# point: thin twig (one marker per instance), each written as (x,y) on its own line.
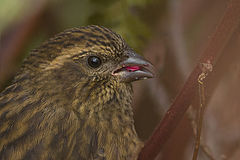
(206,68)
(204,147)
(217,42)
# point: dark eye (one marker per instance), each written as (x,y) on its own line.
(94,61)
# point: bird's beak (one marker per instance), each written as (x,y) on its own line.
(135,67)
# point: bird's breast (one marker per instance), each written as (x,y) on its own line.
(111,135)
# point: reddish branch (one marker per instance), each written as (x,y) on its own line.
(215,46)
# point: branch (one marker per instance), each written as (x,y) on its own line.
(204,147)
(216,44)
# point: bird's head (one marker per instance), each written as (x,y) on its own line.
(96,52)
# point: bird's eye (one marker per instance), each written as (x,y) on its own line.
(94,61)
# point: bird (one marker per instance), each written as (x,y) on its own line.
(71,99)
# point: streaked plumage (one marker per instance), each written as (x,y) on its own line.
(57,107)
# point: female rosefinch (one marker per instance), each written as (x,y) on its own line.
(72,98)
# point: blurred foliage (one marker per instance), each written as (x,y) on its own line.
(124,16)
(11,11)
